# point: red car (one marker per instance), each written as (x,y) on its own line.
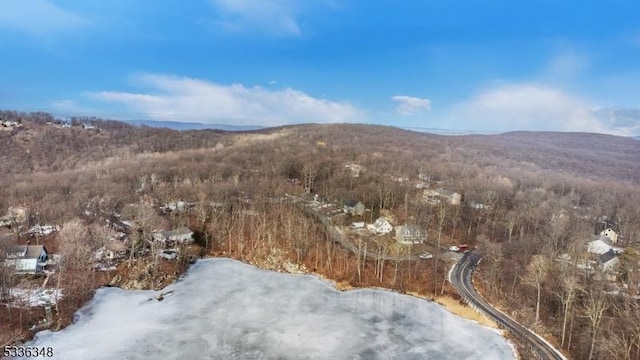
(459,248)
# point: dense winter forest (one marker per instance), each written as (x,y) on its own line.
(530,203)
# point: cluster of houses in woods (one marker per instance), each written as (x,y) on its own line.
(602,250)
(429,195)
(67,125)
(602,246)
(7,125)
(36,259)
(115,250)
(404,234)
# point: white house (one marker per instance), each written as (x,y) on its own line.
(381,226)
(608,260)
(408,234)
(27,259)
(612,235)
(179,235)
(451,197)
(599,245)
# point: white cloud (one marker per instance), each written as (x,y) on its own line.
(626,120)
(272,16)
(531,107)
(68,107)
(409,105)
(65,105)
(568,64)
(186,99)
(37,17)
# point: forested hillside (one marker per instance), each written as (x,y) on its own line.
(526,198)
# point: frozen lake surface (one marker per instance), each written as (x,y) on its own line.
(224,309)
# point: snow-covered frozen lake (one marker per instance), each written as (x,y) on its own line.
(224,309)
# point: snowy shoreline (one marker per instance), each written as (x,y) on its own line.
(214,313)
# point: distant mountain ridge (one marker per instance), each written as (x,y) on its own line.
(439,131)
(183,126)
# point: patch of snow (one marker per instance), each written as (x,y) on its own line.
(43,229)
(128,223)
(105,267)
(34,297)
(223,309)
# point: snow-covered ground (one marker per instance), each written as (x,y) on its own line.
(34,297)
(223,309)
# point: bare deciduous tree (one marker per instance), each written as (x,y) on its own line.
(309,174)
(567,291)
(535,276)
(442,217)
(595,305)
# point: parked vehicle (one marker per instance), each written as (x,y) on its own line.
(425,256)
(459,248)
(168,254)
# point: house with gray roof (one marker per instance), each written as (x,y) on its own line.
(381,226)
(353,207)
(27,259)
(175,236)
(599,245)
(608,260)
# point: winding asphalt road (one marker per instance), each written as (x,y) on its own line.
(461,276)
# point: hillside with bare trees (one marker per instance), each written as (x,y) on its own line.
(528,201)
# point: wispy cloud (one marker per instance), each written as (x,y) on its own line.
(69,107)
(567,64)
(187,99)
(627,121)
(410,105)
(530,106)
(270,16)
(37,17)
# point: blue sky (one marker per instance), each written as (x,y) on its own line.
(463,65)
